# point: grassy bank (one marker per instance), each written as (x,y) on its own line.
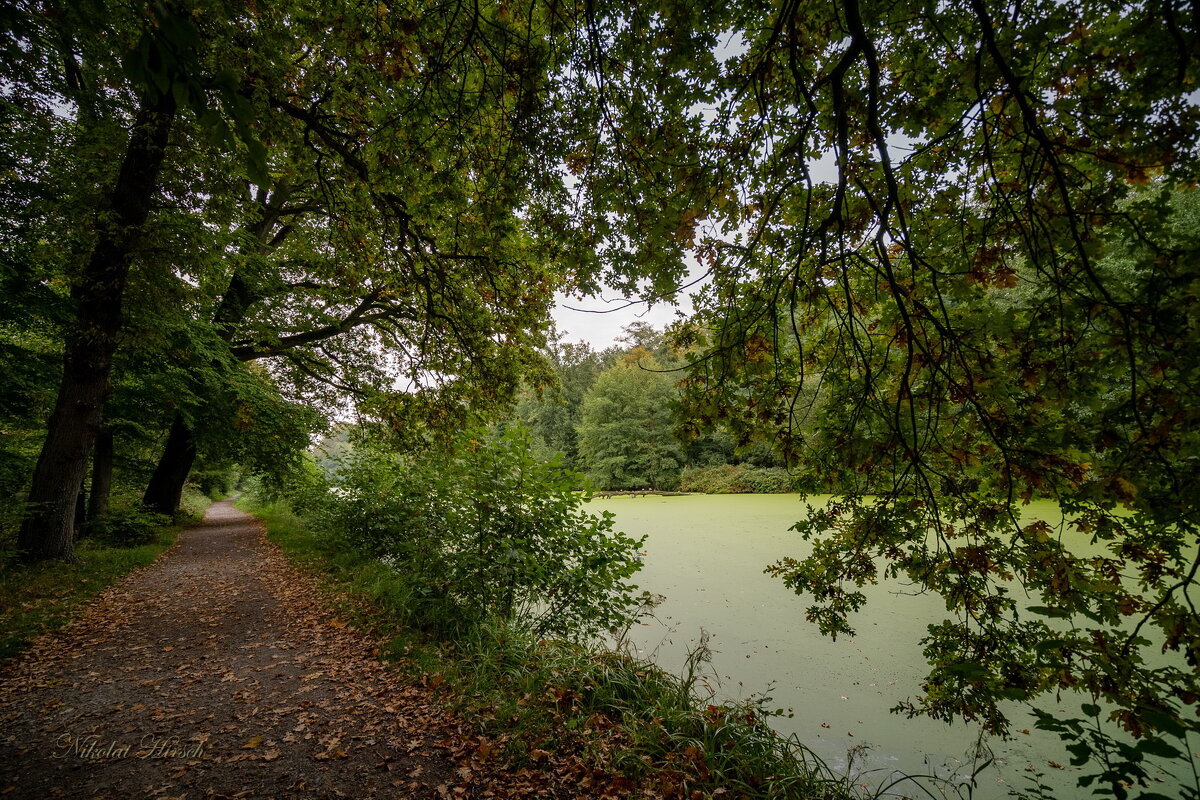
(37,598)
(544,698)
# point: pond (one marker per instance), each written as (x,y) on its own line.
(706,554)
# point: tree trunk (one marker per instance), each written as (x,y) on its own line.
(48,530)
(80,508)
(166,485)
(102,468)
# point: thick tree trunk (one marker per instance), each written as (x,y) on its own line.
(48,530)
(102,468)
(80,508)
(166,484)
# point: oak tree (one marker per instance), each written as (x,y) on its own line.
(973,225)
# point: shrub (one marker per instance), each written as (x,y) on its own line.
(736,479)
(192,506)
(485,530)
(769,480)
(127,527)
(709,480)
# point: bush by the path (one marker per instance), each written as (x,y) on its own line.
(127,527)
(483,530)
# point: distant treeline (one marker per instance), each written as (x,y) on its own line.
(616,417)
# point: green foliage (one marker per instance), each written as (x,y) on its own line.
(626,429)
(129,524)
(216,483)
(484,531)
(251,423)
(552,413)
(35,302)
(127,527)
(193,505)
(736,479)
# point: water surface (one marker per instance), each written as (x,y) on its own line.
(706,555)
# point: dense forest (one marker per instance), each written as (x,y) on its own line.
(951,264)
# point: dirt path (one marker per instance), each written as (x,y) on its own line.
(217,673)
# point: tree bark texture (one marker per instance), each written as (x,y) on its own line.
(166,484)
(81,503)
(48,530)
(102,469)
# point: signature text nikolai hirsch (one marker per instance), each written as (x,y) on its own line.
(92,748)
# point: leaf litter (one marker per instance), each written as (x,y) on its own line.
(218,671)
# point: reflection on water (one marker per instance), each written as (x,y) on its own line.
(706,554)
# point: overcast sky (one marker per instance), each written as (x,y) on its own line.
(600,320)
(601,323)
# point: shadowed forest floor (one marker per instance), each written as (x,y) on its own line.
(218,672)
